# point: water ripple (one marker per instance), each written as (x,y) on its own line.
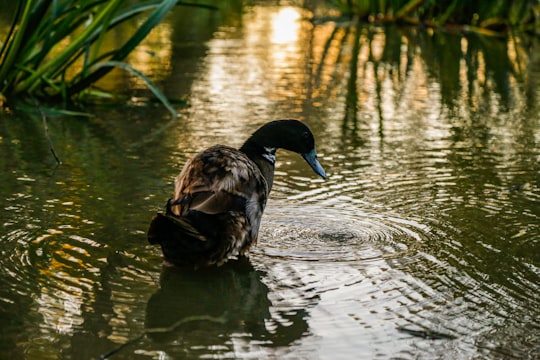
(378,265)
(307,233)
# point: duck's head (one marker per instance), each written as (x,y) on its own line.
(290,135)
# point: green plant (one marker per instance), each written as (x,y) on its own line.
(484,15)
(54,48)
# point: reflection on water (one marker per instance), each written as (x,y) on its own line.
(234,294)
(428,225)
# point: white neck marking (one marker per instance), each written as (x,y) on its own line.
(269,154)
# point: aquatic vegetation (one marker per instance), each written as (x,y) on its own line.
(56,50)
(481,16)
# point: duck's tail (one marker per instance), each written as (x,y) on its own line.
(164,227)
(180,241)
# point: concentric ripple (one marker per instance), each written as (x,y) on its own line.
(305,232)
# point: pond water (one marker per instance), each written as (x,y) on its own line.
(423,242)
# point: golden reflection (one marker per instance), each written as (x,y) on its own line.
(481,70)
(377,46)
(464,45)
(267,68)
(283,55)
(463,79)
(365,51)
(66,273)
(153,56)
(386,80)
(404,57)
(517,55)
(326,53)
(60,312)
(285,26)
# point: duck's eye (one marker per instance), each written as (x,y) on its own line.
(305,135)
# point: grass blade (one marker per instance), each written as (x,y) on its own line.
(14,46)
(149,83)
(9,36)
(154,19)
(33,81)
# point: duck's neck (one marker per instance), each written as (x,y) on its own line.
(264,157)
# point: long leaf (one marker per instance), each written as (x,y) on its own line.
(149,83)
(13,48)
(53,25)
(9,37)
(91,39)
(61,23)
(33,81)
(154,19)
(131,12)
(104,9)
(408,8)
(37,19)
(94,50)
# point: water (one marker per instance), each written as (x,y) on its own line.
(423,242)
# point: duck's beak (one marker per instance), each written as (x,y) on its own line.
(311,159)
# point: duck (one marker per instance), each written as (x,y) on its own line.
(220,195)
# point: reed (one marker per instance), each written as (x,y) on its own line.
(496,15)
(54,49)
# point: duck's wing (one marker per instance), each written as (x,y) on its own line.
(219,180)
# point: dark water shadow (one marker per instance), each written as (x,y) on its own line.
(234,294)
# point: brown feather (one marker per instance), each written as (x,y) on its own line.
(212,178)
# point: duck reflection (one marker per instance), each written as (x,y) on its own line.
(235,294)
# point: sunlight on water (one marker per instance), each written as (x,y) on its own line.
(285,26)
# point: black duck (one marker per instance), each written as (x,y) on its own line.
(220,195)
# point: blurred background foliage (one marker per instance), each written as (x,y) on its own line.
(57,51)
(495,15)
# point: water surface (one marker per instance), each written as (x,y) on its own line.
(422,243)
